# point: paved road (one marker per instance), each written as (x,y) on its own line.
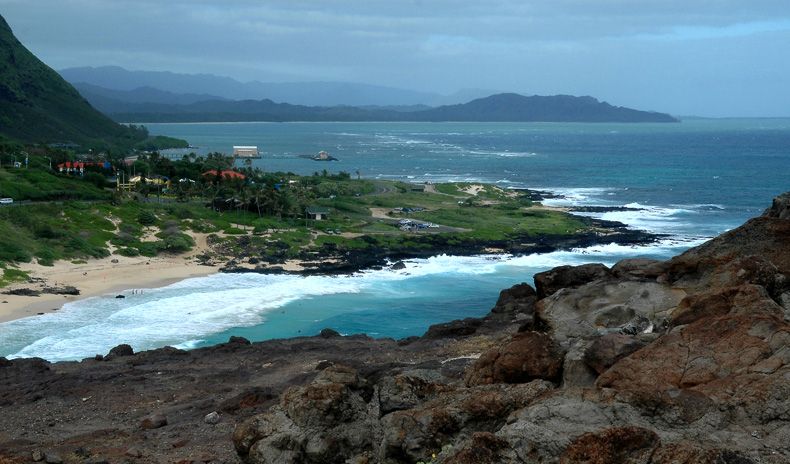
(381,189)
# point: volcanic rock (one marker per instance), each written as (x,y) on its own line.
(522,358)
(548,282)
(154,421)
(605,351)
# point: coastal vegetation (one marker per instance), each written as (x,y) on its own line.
(251,215)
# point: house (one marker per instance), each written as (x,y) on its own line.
(417,188)
(323,156)
(78,167)
(317,213)
(226,174)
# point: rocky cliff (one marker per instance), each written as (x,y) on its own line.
(683,361)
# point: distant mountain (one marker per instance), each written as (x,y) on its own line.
(37,105)
(297,93)
(94,94)
(511,107)
(496,108)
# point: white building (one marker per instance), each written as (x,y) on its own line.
(245,152)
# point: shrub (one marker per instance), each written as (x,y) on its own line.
(124,239)
(146,218)
(46,257)
(13,253)
(148,249)
(130,251)
(177,244)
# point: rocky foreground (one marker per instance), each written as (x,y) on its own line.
(683,361)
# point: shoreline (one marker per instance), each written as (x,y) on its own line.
(95,278)
(115,274)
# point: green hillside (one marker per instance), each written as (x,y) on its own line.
(38,106)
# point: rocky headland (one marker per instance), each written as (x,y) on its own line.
(678,361)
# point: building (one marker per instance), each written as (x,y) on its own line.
(323,156)
(78,167)
(317,213)
(417,188)
(226,174)
(245,152)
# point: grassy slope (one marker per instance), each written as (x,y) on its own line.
(83,230)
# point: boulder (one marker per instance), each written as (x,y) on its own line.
(415,434)
(639,269)
(330,420)
(765,238)
(120,351)
(603,352)
(518,299)
(519,359)
(401,392)
(452,329)
(579,313)
(548,282)
(154,421)
(748,299)
(329,333)
(780,208)
(482,448)
(725,363)
(632,445)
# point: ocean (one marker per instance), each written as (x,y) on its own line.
(690,181)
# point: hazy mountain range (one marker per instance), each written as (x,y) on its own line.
(39,106)
(130,83)
(145,96)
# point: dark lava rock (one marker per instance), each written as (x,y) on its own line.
(23,292)
(521,358)
(154,421)
(120,351)
(65,290)
(548,282)
(623,444)
(398,266)
(603,352)
(329,333)
(452,329)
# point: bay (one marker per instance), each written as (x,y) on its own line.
(691,181)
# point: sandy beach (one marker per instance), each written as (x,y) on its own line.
(95,278)
(108,276)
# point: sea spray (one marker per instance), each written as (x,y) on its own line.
(208,310)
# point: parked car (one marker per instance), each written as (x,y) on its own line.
(338,232)
(328,231)
(433,226)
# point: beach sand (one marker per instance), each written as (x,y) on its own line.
(100,277)
(95,278)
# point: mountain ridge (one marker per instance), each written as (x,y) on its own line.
(39,105)
(320,93)
(496,108)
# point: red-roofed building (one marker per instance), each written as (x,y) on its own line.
(226,174)
(78,167)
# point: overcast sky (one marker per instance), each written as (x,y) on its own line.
(688,57)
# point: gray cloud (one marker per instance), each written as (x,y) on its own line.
(722,58)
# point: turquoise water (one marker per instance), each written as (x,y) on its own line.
(692,180)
